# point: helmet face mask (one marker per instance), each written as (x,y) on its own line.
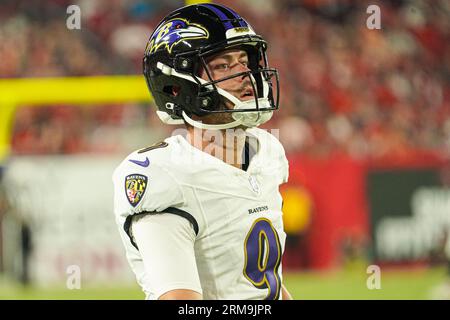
(180,49)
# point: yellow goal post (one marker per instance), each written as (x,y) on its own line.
(81,91)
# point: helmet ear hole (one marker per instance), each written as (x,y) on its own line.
(172,90)
(176,90)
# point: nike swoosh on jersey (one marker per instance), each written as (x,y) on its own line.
(144,163)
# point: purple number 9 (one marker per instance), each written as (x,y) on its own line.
(263,257)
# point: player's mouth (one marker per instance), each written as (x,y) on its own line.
(247,94)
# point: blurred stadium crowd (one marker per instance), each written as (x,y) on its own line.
(344,88)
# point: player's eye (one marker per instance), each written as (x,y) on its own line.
(221,67)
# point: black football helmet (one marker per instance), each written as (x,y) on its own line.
(176,52)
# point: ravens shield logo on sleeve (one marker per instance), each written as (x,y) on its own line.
(135,185)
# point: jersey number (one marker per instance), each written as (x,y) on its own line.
(263,257)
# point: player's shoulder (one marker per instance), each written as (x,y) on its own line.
(149,183)
(153,157)
(268,142)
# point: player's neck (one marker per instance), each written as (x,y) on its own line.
(226,145)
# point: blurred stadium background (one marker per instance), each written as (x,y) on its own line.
(364,118)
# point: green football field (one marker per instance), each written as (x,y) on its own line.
(348,284)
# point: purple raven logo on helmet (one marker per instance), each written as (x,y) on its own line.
(174,31)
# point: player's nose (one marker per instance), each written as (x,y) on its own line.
(242,67)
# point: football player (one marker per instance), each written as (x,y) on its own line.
(200,215)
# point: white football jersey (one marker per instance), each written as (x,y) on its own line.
(236,214)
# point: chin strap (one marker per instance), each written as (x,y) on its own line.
(206,126)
